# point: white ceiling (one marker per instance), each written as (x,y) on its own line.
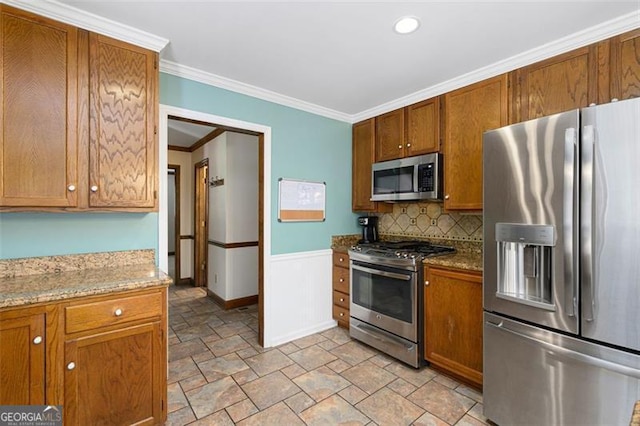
(343,57)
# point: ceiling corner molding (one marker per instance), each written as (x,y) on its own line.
(190,73)
(88,21)
(585,37)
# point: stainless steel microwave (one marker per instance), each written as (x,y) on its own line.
(407,179)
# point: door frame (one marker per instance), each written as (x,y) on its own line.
(264,255)
(178,240)
(200,213)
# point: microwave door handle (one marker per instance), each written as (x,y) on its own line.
(416,172)
(382,273)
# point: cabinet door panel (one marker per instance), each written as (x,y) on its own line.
(453,323)
(559,84)
(22,361)
(363,157)
(117,377)
(390,138)
(122,125)
(38,91)
(423,127)
(469,112)
(625,65)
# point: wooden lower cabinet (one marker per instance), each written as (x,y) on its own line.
(341,298)
(453,322)
(103,358)
(22,358)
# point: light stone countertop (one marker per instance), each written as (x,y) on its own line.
(50,287)
(470,261)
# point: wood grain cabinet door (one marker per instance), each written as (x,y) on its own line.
(625,66)
(423,127)
(561,83)
(122,124)
(390,136)
(38,100)
(453,322)
(22,360)
(469,112)
(362,158)
(115,377)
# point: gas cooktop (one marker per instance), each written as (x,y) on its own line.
(411,251)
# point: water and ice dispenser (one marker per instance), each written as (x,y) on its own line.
(525,264)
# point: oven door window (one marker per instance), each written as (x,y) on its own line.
(385,291)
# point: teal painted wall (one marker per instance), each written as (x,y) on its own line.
(303,146)
(46,234)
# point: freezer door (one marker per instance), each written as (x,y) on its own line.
(537,377)
(610,225)
(531,221)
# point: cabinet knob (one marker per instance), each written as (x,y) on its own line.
(94,188)
(71,365)
(342,299)
(408,145)
(71,188)
(426,282)
(341,314)
(37,340)
(446,197)
(399,146)
(614,99)
(341,259)
(117,312)
(341,280)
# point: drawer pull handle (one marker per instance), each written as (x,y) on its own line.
(341,280)
(341,259)
(118,312)
(342,299)
(37,340)
(341,314)
(71,365)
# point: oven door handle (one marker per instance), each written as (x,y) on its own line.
(382,273)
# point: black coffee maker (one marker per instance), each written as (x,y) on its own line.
(369,229)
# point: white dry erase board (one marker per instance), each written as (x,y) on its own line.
(301,201)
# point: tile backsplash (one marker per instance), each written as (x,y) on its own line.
(429,220)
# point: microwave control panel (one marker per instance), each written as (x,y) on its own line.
(426,178)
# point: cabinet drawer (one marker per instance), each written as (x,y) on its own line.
(341,259)
(88,316)
(340,314)
(341,299)
(341,280)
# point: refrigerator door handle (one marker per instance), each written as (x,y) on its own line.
(586,220)
(568,353)
(570,219)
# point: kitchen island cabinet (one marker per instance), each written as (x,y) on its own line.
(79,117)
(93,341)
(468,112)
(453,322)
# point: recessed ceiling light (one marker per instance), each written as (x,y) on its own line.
(406,25)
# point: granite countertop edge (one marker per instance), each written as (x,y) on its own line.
(56,287)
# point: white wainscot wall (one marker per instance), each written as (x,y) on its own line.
(298,301)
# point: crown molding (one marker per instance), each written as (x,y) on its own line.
(88,21)
(184,71)
(585,37)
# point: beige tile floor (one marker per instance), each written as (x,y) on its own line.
(220,375)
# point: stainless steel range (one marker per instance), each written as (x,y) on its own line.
(386,296)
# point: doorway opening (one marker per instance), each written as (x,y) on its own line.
(173,229)
(200,221)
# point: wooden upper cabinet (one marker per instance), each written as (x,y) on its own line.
(561,83)
(468,113)
(122,104)
(362,158)
(409,131)
(389,135)
(624,66)
(38,97)
(22,360)
(423,127)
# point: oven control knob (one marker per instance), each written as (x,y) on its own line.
(413,256)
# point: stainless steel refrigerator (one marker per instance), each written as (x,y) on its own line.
(562,268)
